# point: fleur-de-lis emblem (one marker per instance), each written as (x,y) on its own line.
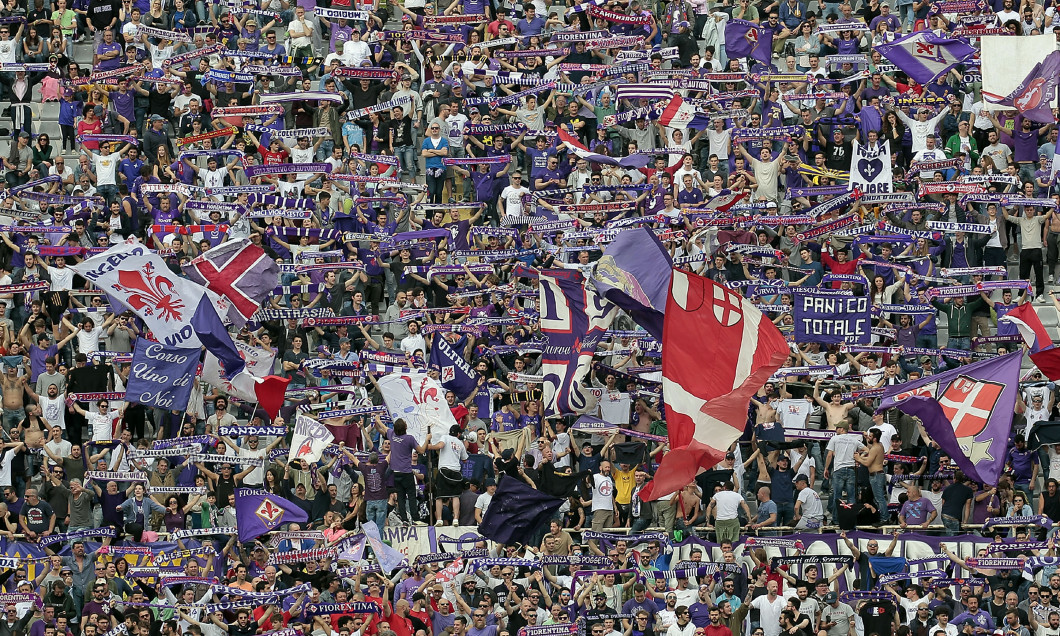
(151,293)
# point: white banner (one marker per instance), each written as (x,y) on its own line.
(139,280)
(1007,60)
(418,399)
(309,439)
(870,169)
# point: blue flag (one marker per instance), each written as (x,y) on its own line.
(258,512)
(517,511)
(747,39)
(634,273)
(456,374)
(212,333)
(967,411)
(161,376)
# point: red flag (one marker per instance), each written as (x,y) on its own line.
(706,404)
(1039,343)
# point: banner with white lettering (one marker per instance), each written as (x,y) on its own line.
(832,319)
(161,376)
(870,169)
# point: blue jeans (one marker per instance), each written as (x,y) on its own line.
(324,151)
(13,417)
(956,342)
(376,512)
(842,481)
(952,525)
(785,512)
(108,192)
(879,493)
(407,159)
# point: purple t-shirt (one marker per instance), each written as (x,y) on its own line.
(401,447)
(917,512)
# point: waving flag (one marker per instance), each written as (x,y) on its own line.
(239,271)
(455,372)
(634,273)
(258,512)
(678,113)
(706,388)
(572,144)
(1033,98)
(255,384)
(968,411)
(747,39)
(517,511)
(573,319)
(389,558)
(1042,351)
(643,91)
(924,55)
(178,312)
(419,399)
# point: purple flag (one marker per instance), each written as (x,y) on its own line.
(212,333)
(161,376)
(747,39)
(455,372)
(1034,96)
(239,271)
(258,512)
(517,511)
(924,55)
(389,558)
(967,411)
(634,273)
(573,318)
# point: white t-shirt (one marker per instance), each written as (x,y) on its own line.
(770,613)
(106,168)
(62,278)
(54,412)
(513,199)
(811,503)
(452,453)
(88,341)
(727,505)
(483,502)
(102,425)
(603,493)
(256,476)
(213,178)
(793,413)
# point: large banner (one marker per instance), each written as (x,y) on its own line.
(161,376)
(573,318)
(832,319)
(1006,60)
(418,399)
(870,169)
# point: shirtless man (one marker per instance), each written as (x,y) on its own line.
(12,387)
(1052,229)
(835,411)
(872,458)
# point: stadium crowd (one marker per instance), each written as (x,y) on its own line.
(458,123)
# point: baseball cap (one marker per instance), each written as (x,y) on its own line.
(157,117)
(831,597)
(802,478)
